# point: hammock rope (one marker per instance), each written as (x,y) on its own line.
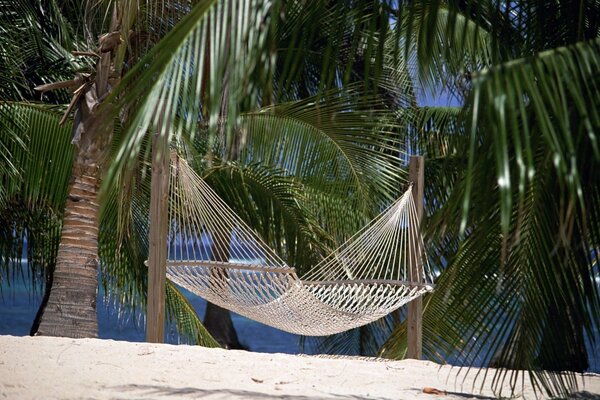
(214,254)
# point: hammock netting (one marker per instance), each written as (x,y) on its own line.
(214,254)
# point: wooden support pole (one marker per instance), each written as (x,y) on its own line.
(157,251)
(416,174)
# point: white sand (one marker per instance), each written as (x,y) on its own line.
(45,368)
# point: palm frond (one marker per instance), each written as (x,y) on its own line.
(34,182)
(513,212)
(364,341)
(352,139)
(532,311)
(444,45)
(199,71)
(514,230)
(554,95)
(324,45)
(272,203)
(181,313)
(35,45)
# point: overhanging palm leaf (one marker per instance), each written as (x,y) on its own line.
(366,340)
(541,118)
(554,95)
(182,76)
(273,203)
(12,131)
(324,45)
(523,201)
(35,44)
(200,72)
(350,138)
(329,162)
(444,45)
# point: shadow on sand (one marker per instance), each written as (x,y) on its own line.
(192,392)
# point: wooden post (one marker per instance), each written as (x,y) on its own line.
(157,251)
(416,174)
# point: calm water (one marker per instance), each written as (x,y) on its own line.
(18,307)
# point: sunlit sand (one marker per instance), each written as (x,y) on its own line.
(43,367)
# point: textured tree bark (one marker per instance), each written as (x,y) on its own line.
(70,309)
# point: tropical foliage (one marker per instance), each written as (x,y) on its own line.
(345,131)
(518,230)
(297,112)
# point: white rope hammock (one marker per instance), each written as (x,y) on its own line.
(215,255)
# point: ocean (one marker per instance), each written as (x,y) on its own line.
(19,304)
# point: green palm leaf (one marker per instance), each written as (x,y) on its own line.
(178,77)
(309,167)
(34,180)
(349,139)
(554,94)
(273,204)
(514,212)
(181,313)
(35,45)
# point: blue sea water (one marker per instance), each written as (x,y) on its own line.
(19,303)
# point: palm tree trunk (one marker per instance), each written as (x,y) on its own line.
(71,303)
(217,320)
(218,323)
(70,309)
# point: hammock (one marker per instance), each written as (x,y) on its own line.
(214,254)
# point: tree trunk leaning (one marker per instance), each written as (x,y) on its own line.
(70,309)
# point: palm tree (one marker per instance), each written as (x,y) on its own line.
(362,143)
(513,196)
(512,193)
(292,73)
(57,32)
(69,308)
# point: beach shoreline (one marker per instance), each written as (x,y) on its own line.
(63,368)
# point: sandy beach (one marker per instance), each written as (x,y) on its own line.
(60,368)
